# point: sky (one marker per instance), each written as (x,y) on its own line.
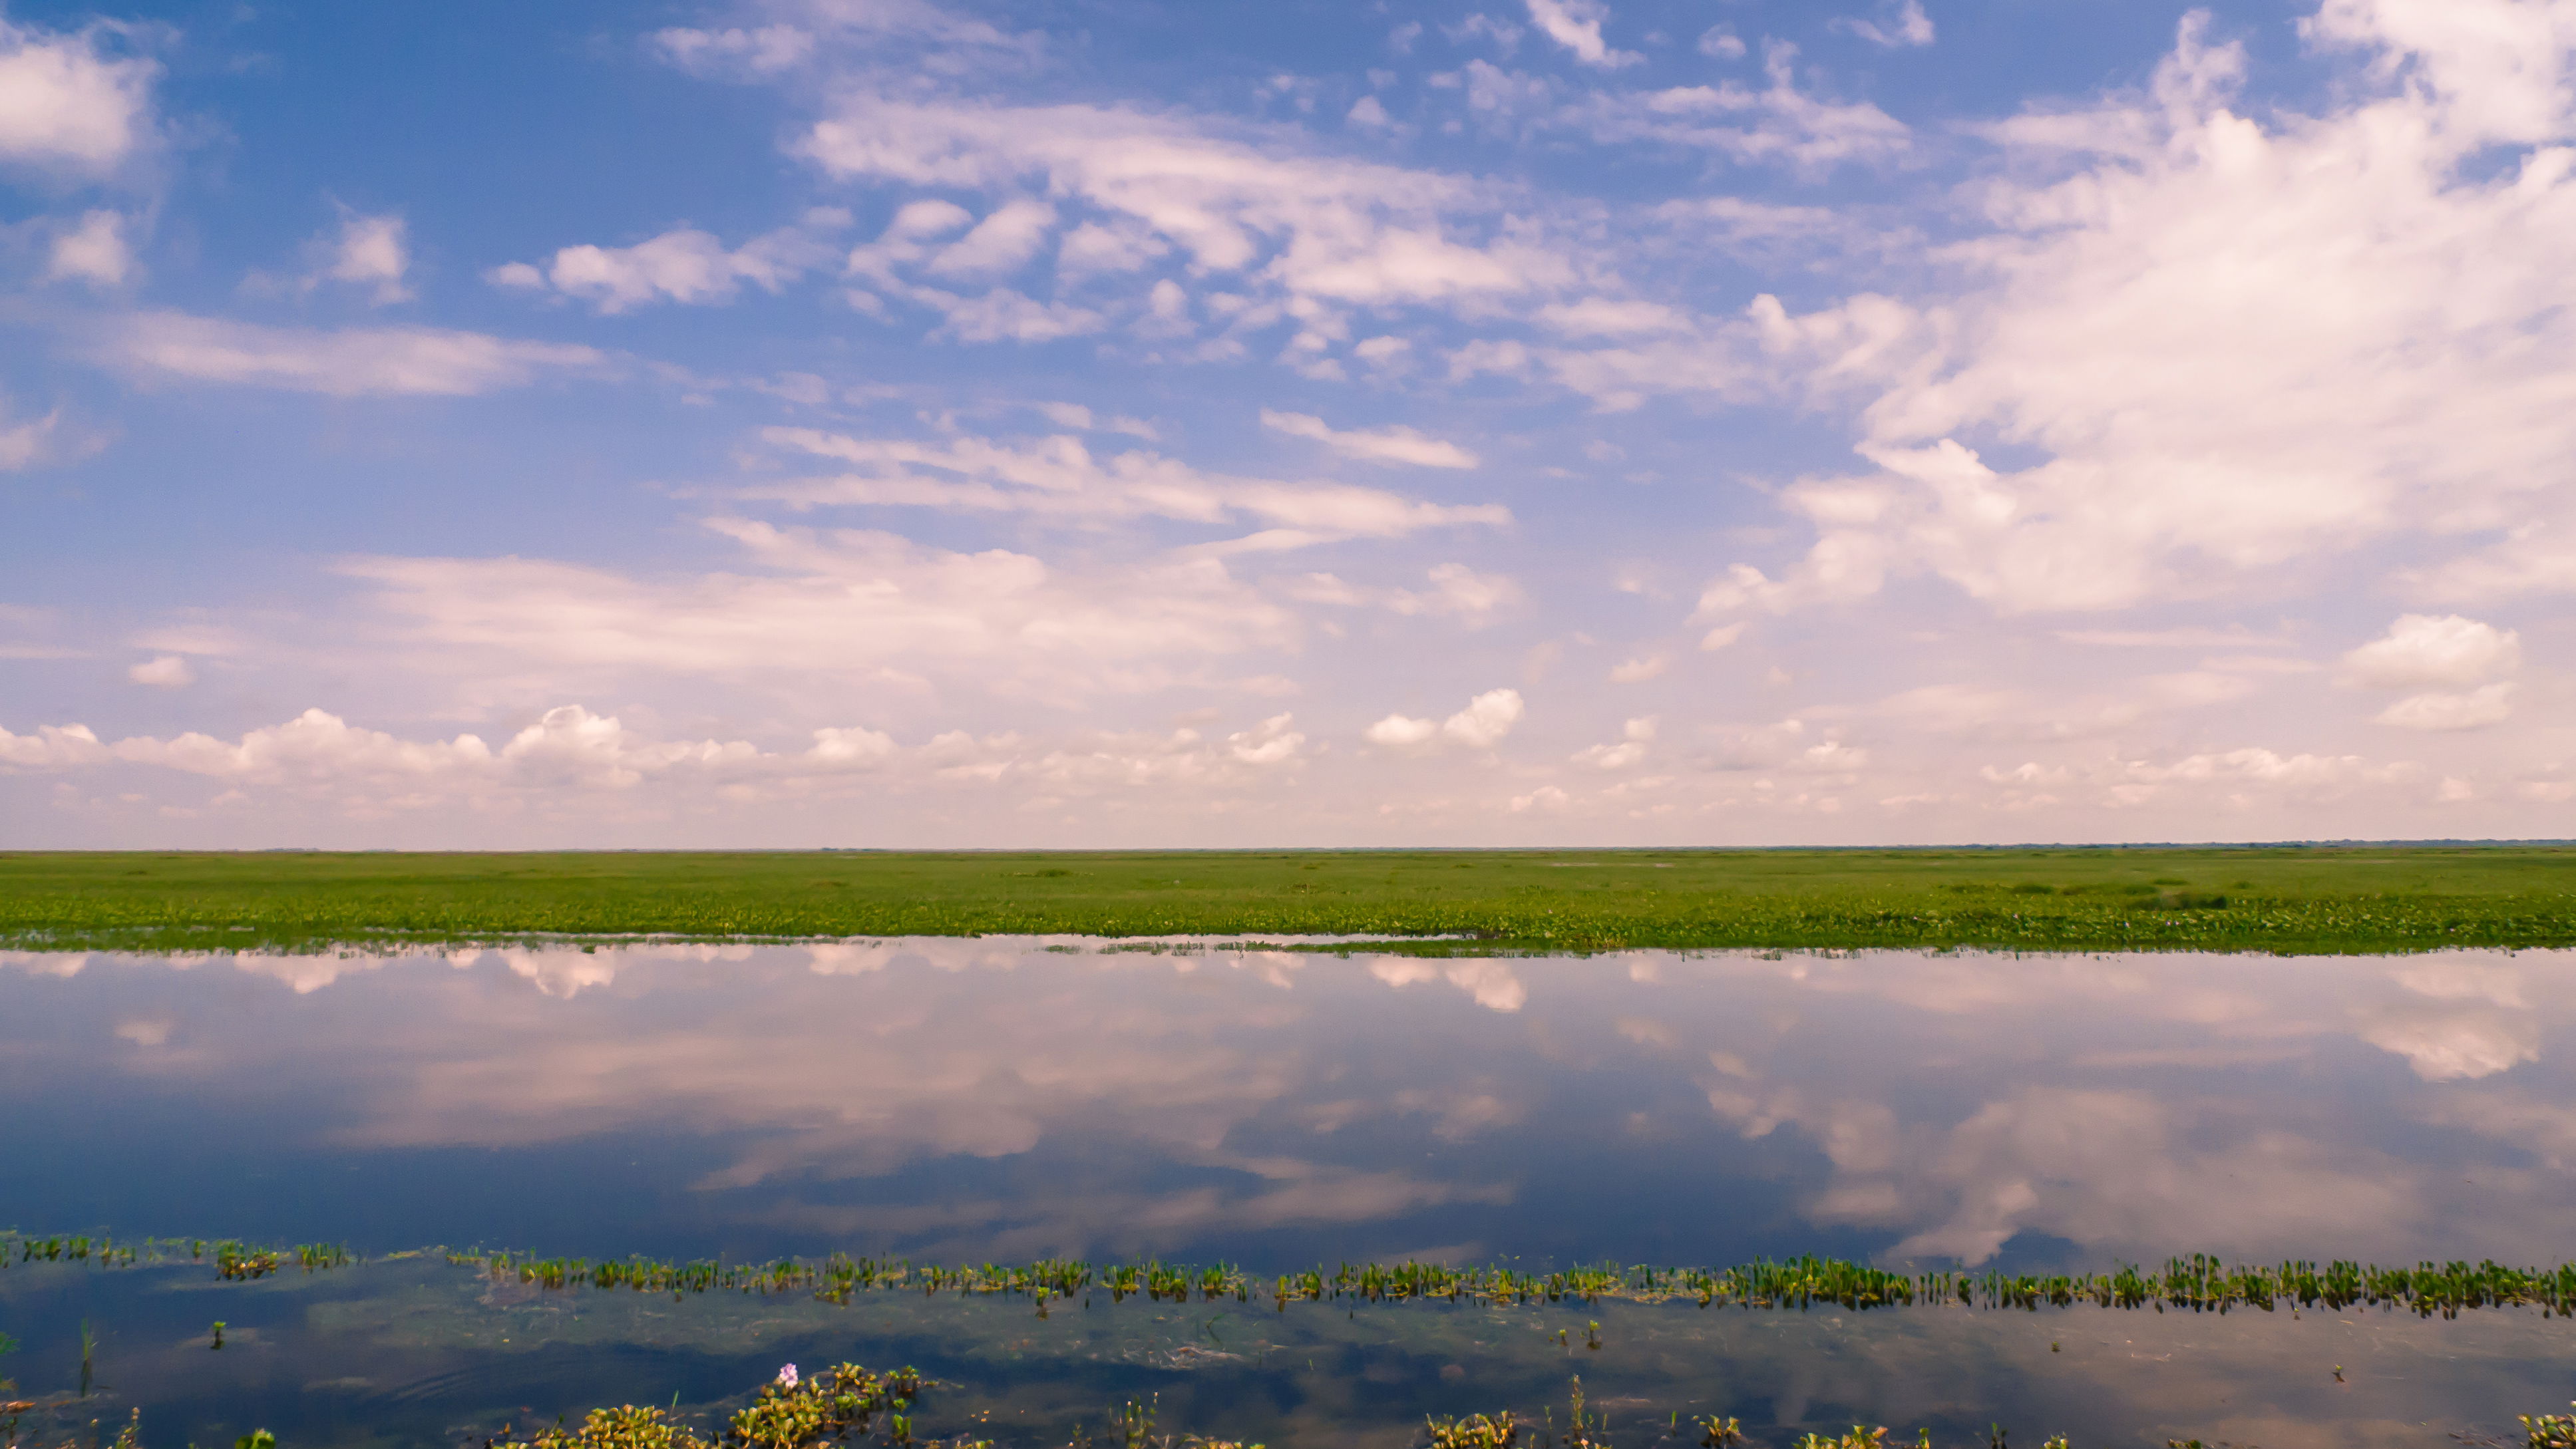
(886,423)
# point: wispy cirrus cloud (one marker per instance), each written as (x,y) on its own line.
(352,362)
(1059,477)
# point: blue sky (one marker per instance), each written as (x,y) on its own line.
(872,422)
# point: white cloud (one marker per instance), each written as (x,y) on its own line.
(1097,249)
(35,441)
(2426,649)
(359,362)
(2492,704)
(1274,741)
(1323,228)
(685,265)
(1002,315)
(1776,125)
(1631,748)
(1606,317)
(569,750)
(845,606)
(1392,444)
(1576,25)
(95,252)
(1000,244)
(1720,42)
(167,671)
(1908,26)
(371,252)
(2237,346)
(1490,982)
(1456,591)
(1060,477)
(802,33)
(67,103)
(1480,726)
(1640,669)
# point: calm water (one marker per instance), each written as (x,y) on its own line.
(1000,1100)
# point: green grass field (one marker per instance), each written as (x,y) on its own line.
(2305,899)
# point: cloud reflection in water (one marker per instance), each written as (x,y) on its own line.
(992,1097)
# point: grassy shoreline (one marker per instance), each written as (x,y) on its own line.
(2303,899)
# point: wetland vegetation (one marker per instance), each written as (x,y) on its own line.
(2199,1283)
(2306,899)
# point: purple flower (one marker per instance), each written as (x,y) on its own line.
(787,1376)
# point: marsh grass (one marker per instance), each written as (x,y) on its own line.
(2200,1283)
(2287,899)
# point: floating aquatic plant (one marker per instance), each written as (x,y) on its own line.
(2551,1431)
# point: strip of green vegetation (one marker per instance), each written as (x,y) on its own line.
(2199,1283)
(2288,899)
(846,1403)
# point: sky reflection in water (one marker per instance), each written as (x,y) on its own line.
(994,1099)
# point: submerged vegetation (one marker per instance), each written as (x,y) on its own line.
(2286,898)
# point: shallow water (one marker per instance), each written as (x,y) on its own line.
(972,1100)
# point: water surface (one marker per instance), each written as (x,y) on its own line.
(973,1100)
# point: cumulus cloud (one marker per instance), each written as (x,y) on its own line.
(2422,649)
(1631,748)
(1392,444)
(571,750)
(68,103)
(2491,704)
(1640,669)
(1480,726)
(167,671)
(96,252)
(2179,309)
(1576,25)
(358,362)
(1000,244)
(2440,650)
(372,252)
(684,265)
(33,442)
(1907,25)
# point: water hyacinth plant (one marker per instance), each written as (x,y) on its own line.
(2551,1431)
